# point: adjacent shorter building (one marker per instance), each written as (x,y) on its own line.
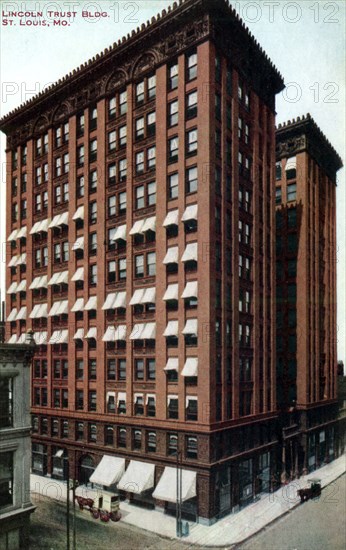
(15,444)
(306,295)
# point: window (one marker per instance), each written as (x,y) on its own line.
(291,192)
(111,403)
(6,402)
(80,155)
(6,480)
(92,400)
(64,428)
(111,174)
(122,136)
(172,444)
(92,243)
(172,407)
(191,447)
(151,406)
(218,106)
(140,93)
(93,118)
(79,400)
(140,162)
(80,186)
(80,125)
(151,264)
(139,405)
(122,369)
(121,437)
(111,369)
(80,431)
(173,149)
(173,76)
(93,274)
(24,155)
(92,369)
(151,123)
(122,170)
(38,203)
(92,433)
(109,435)
(65,195)
(151,192)
(151,158)
(191,180)
(45,174)
(112,206)
(151,87)
(278,167)
(112,141)
(139,369)
(191,66)
(123,102)
(278,195)
(93,212)
(80,369)
(93,150)
(191,105)
(151,442)
(139,132)
(66,163)
(151,369)
(191,142)
(38,175)
(173,113)
(112,108)
(140,199)
(218,69)
(122,269)
(137,439)
(139,265)
(191,412)
(38,151)
(173,186)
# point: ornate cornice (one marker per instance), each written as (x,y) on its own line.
(303,134)
(168,34)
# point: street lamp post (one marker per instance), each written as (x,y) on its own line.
(68,489)
(179,495)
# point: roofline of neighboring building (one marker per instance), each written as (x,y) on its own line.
(316,143)
(220,10)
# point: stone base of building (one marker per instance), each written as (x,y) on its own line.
(15,529)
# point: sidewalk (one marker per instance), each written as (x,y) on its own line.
(230,530)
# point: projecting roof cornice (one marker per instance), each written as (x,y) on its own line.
(303,134)
(170,33)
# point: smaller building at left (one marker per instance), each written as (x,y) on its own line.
(15,446)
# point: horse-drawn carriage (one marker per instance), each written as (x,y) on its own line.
(100,503)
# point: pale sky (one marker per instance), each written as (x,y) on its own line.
(304,39)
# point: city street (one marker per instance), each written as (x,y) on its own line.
(315,525)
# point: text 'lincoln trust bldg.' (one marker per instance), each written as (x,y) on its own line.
(141,251)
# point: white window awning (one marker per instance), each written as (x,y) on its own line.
(108,471)
(190,398)
(190,213)
(43,226)
(59,278)
(109,303)
(92,333)
(109,335)
(120,300)
(12,289)
(190,367)
(78,305)
(62,308)
(12,316)
(137,227)
(21,286)
(149,296)
(149,331)
(190,253)
(79,334)
(120,233)
(191,327)
(39,310)
(171,329)
(79,244)
(149,224)
(120,333)
(171,292)
(166,489)
(59,337)
(172,256)
(13,261)
(121,397)
(39,282)
(137,296)
(12,339)
(21,314)
(12,237)
(22,232)
(137,330)
(21,259)
(41,338)
(35,228)
(54,309)
(172,218)
(172,364)
(91,303)
(54,222)
(79,275)
(191,290)
(79,213)
(22,338)
(291,164)
(139,477)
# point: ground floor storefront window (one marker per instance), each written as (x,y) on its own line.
(39,459)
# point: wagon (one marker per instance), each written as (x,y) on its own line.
(102,504)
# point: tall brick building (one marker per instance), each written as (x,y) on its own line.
(306,259)
(140,223)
